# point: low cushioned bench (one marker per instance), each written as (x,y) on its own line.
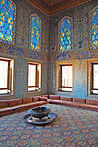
(19,105)
(74,102)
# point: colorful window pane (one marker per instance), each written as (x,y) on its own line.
(65,28)
(93,28)
(35,33)
(7,21)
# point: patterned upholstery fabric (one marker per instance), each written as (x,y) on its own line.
(15,102)
(3,103)
(54,97)
(65,98)
(27,100)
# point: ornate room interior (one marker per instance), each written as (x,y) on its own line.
(49,56)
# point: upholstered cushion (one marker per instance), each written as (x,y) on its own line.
(27,100)
(46,95)
(15,102)
(36,98)
(29,106)
(65,98)
(78,105)
(19,108)
(92,102)
(60,102)
(6,111)
(3,103)
(43,99)
(54,97)
(79,100)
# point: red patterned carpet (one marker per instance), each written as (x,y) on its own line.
(72,128)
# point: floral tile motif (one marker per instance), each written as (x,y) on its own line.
(34,55)
(64,57)
(16,51)
(86,55)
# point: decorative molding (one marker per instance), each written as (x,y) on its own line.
(57,6)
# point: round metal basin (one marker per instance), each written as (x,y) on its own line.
(39,116)
(39,112)
(36,121)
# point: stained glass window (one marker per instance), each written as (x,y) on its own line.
(65,32)
(7,21)
(93,28)
(35,33)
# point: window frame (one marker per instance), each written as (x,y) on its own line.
(92,79)
(60,78)
(9,77)
(37,86)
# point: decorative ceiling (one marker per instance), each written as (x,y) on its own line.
(53,6)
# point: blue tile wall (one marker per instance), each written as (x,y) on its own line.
(81,51)
(21,52)
(49,40)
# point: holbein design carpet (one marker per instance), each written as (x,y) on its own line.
(72,128)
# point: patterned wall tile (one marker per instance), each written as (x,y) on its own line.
(34,55)
(86,55)
(23,11)
(64,57)
(0,48)
(16,51)
(81,28)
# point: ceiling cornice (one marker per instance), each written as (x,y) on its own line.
(49,8)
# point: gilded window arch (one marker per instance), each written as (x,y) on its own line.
(35,33)
(93,28)
(7,21)
(65,35)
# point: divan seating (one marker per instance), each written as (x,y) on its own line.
(74,102)
(21,104)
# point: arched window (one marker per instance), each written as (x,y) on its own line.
(93,28)
(35,33)
(65,35)
(7,21)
